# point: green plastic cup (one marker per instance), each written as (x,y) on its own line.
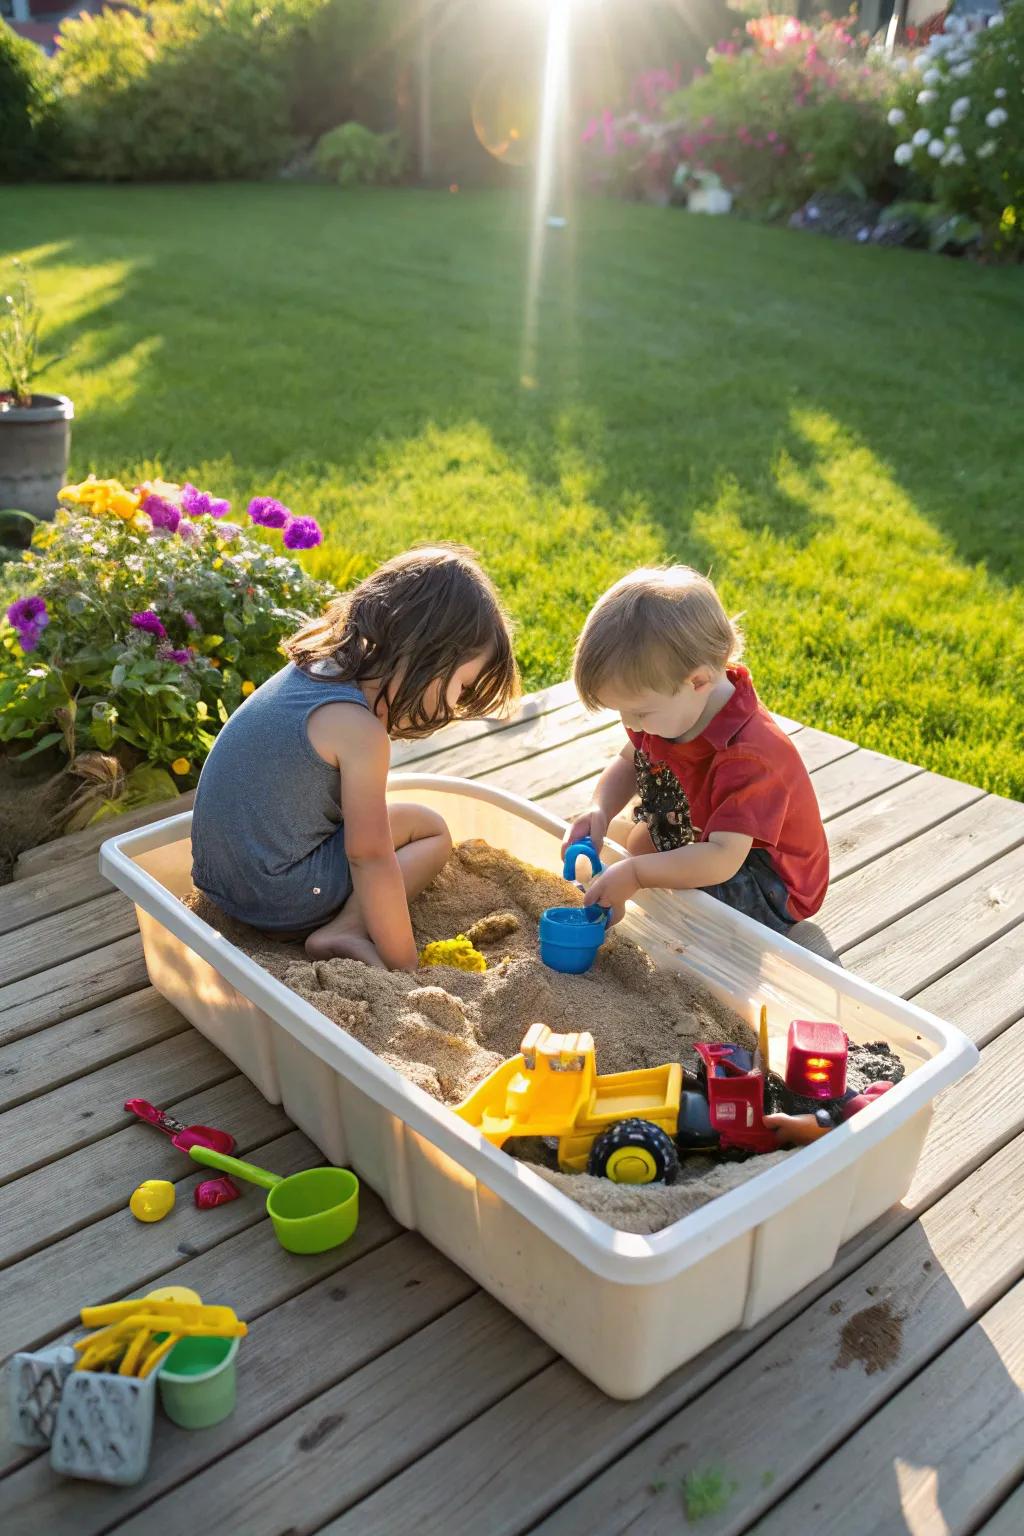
(197,1383)
(311,1211)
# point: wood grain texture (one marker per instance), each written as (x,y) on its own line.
(102,973)
(38,1063)
(941,1455)
(52,940)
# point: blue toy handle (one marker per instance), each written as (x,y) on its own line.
(583,849)
(596,914)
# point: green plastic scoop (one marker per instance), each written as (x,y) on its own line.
(311,1211)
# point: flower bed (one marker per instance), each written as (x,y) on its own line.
(142,620)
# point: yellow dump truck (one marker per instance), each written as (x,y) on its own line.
(620,1126)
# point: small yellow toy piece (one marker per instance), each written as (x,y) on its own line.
(553,1089)
(457,952)
(134,1336)
(152,1201)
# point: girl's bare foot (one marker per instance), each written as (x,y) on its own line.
(330,943)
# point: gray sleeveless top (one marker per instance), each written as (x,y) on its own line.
(267,803)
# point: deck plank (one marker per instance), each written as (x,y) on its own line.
(38,1063)
(64,935)
(909,1302)
(49,996)
(390,1297)
(336,1448)
(941,1454)
(90,1107)
(872,897)
(1008,1520)
(938,935)
(877,826)
(117,1254)
(984,994)
(97,1180)
(262,1277)
(54,890)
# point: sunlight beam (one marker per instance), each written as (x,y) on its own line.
(554,94)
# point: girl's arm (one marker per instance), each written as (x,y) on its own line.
(369,846)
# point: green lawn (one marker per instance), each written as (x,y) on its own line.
(835,432)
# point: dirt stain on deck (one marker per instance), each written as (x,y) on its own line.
(872,1338)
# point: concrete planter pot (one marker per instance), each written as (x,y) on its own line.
(35,441)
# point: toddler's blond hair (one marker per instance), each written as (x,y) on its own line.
(652,630)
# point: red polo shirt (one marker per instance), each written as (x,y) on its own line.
(743,774)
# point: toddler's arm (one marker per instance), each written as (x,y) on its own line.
(614,789)
(680,869)
(370,848)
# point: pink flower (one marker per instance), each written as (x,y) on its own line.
(772,136)
(707,122)
(150,622)
(608,127)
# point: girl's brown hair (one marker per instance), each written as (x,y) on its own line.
(414,622)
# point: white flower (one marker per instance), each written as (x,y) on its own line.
(954,155)
(951,132)
(925,98)
(921,137)
(1000,93)
(988,148)
(901,65)
(997,117)
(896,116)
(961,71)
(955,25)
(903,154)
(996,20)
(960,108)
(931,77)
(937,148)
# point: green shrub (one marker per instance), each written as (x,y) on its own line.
(961,123)
(182,88)
(354,156)
(29,118)
(788,110)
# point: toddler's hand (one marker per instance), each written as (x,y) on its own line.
(613,889)
(593,824)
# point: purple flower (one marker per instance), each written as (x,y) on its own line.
(191,622)
(302,533)
(150,622)
(229,531)
(268,513)
(161,513)
(176,654)
(187,532)
(28,613)
(198,503)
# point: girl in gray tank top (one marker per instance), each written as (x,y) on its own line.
(291,830)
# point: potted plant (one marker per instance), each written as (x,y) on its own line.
(35,430)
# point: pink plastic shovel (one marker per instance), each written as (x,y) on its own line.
(182,1136)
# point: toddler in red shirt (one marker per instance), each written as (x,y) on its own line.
(726,805)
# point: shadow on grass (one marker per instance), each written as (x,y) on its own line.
(294,326)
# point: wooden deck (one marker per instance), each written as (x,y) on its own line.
(381,1391)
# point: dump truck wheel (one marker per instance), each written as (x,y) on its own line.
(634,1152)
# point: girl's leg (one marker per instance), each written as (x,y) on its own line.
(422,844)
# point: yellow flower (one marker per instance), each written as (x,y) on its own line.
(181,765)
(218,563)
(248,687)
(121,502)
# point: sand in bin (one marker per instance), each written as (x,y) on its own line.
(446,1029)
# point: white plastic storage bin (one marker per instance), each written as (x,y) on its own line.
(625,1309)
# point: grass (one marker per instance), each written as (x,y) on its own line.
(833,431)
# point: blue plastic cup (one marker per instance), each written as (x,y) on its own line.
(570,937)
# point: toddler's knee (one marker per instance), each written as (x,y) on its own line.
(639,839)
